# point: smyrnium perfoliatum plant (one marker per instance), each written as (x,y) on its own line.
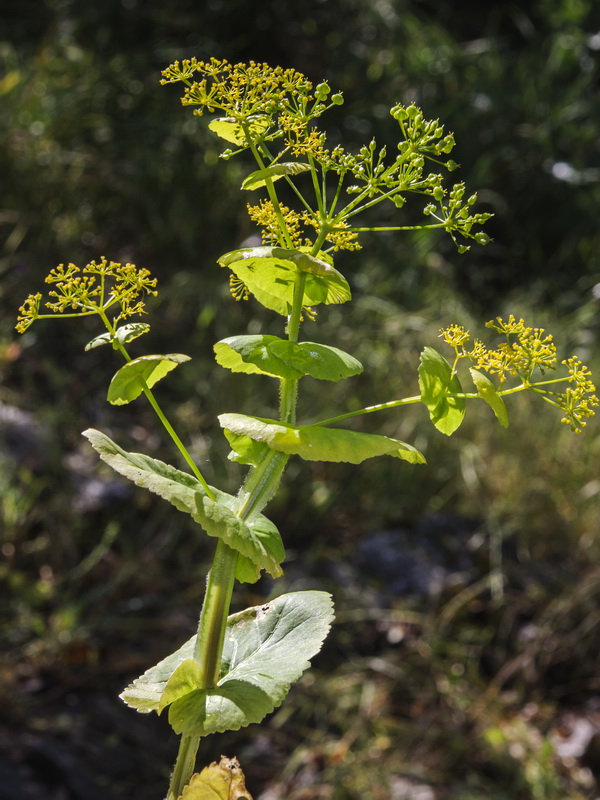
(239,667)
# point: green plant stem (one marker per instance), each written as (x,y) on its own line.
(167,425)
(184,766)
(208,652)
(406,401)
(261,484)
(289,386)
(178,443)
(258,488)
(213,619)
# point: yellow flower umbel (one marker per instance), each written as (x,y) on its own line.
(525,351)
(95,289)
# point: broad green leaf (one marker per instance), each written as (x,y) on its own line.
(270,355)
(270,273)
(437,382)
(257,179)
(266,649)
(128,382)
(253,355)
(124,334)
(488,392)
(231,130)
(258,540)
(314,443)
(222,781)
(319,361)
(145,692)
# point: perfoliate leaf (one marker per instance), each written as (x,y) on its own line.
(145,692)
(245,570)
(270,355)
(315,443)
(222,781)
(252,356)
(128,382)
(437,383)
(124,334)
(245,450)
(231,130)
(488,392)
(185,679)
(269,273)
(266,649)
(319,361)
(258,540)
(257,179)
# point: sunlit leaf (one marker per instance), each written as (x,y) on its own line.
(270,355)
(270,273)
(437,383)
(257,179)
(185,679)
(488,392)
(253,355)
(317,360)
(128,383)
(232,131)
(314,443)
(245,450)
(222,781)
(258,540)
(124,334)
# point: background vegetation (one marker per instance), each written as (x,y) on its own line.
(468,668)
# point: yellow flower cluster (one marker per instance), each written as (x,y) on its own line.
(579,399)
(91,290)
(342,237)
(266,217)
(238,90)
(302,140)
(525,350)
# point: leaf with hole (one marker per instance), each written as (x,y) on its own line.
(222,781)
(266,649)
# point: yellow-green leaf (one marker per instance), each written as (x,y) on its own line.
(270,273)
(280,358)
(258,178)
(232,131)
(488,392)
(438,383)
(222,781)
(314,443)
(128,383)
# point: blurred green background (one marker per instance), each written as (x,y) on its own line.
(465,661)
